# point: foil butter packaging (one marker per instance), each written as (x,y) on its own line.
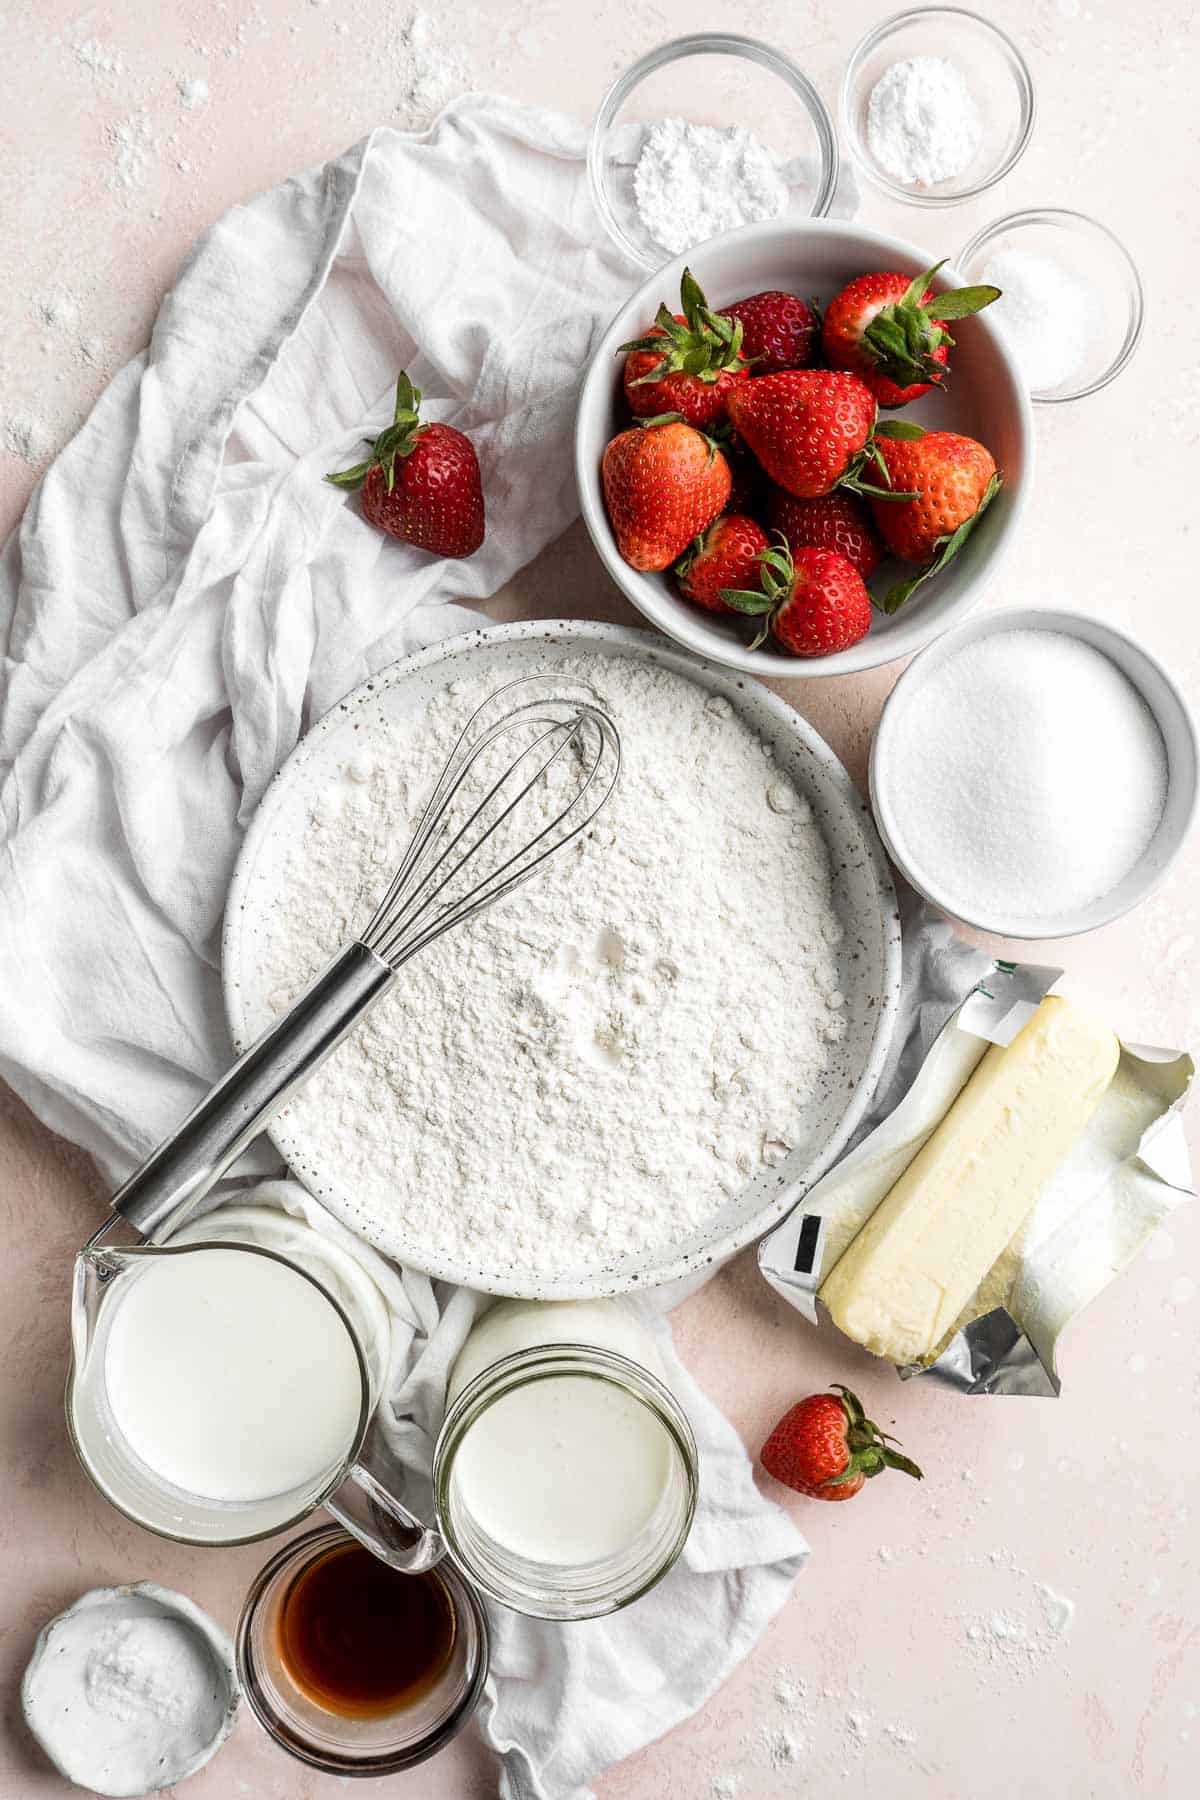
(1128,1170)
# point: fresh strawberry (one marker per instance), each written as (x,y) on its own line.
(809,428)
(890,330)
(812,602)
(687,363)
(837,521)
(951,478)
(780,331)
(724,556)
(827,1448)
(422,482)
(663,483)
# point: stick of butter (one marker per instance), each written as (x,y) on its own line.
(908,1274)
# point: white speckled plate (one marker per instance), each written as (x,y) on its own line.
(868,959)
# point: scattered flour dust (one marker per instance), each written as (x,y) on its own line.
(692,181)
(134,149)
(592,1067)
(27,436)
(99,59)
(193,92)
(1021,1634)
(430,73)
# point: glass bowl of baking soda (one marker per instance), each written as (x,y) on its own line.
(1071,305)
(937,105)
(704,134)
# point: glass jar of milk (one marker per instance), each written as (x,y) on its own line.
(566,1470)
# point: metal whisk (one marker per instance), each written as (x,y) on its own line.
(533,766)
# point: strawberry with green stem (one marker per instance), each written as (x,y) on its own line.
(421,482)
(950,481)
(827,1448)
(664,482)
(688,362)
(890,330)
(724,556)
(812,430)
(812,602)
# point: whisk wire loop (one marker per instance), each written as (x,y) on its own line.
(409,916)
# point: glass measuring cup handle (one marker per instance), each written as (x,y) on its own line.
(366,1504)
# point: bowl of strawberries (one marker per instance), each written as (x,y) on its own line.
(804,448)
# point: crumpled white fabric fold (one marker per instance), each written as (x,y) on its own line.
(185,596)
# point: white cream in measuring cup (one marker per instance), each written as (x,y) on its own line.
(231,1376)
(219,1393)
(566,1471)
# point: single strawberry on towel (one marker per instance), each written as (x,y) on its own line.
(421,483)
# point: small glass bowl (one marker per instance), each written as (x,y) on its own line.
(354,1746)
(732,81)
(1089,253)
(993,69)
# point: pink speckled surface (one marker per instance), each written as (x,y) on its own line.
(1092,1496)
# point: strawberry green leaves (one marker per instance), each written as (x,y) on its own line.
(944,552)
(398,439)
(902,338)
(703,344)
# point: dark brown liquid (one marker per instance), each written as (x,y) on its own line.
(361,1639)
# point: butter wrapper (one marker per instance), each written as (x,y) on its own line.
(1129,1170)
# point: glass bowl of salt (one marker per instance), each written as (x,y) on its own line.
(1071,304)
(937,105)
(1034,773)
(704,134)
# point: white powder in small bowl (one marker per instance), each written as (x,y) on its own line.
(1025,777)
(922,124)
(692,181)
(1048,314)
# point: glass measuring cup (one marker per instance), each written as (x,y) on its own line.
(356,1486)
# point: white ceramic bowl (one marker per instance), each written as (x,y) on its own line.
(985,399)
(126,1752)
(1174,720)
(868,957)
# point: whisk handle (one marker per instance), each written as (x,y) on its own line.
(176,1176)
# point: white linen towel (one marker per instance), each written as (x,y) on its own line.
(185,596)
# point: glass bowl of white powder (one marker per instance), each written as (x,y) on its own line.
(1071,303)
(1034,773)
(680,154)
(937,105)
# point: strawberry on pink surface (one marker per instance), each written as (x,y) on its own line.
(827,1448)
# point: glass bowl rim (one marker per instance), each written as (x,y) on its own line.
(1033,215)
(708,43)
(866,164)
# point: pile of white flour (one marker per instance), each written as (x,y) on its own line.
(592,1067)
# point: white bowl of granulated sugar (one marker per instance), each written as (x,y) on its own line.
(1034,774)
